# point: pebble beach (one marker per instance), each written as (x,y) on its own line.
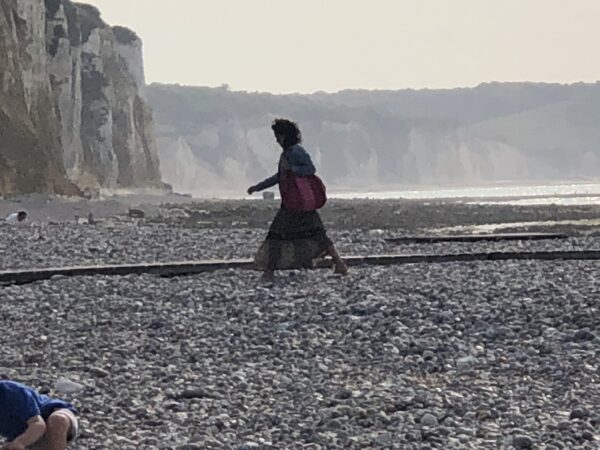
(478,355)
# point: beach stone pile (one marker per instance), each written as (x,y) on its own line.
(482,355)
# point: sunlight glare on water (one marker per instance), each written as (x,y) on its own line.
(543,194)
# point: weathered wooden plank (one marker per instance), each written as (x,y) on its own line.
(195,267)
(475,238)
(163,269)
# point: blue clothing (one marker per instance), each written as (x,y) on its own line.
(298,161)
(19,403)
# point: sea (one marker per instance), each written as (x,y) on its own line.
(567,194)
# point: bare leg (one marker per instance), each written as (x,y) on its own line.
(57,429)
(274,254)
(340,265)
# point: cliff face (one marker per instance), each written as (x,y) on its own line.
(30,147)
(229,156)
(360,139)
(71,111)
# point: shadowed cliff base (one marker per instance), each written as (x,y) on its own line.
(24,164)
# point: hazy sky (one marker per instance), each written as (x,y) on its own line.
(310,45)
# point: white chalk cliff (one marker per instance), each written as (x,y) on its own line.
(497,132)
(71,111)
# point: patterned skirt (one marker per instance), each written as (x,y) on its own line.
(294,241)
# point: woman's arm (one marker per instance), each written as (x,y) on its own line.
(299,162)
(265,184)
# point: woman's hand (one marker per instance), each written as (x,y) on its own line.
(251,190)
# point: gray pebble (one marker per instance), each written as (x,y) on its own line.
(429,420)
(522,441)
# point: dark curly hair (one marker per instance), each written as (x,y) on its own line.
(289,130)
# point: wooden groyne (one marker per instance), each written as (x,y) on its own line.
(195,267)
(475,238)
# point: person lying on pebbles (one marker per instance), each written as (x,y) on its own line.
(16,218)
(32,421)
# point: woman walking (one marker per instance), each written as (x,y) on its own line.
(295,238)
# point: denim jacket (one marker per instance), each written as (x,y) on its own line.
(298,161)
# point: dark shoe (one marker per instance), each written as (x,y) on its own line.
(267,278)
(341,269)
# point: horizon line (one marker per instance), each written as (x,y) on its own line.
(228,88)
